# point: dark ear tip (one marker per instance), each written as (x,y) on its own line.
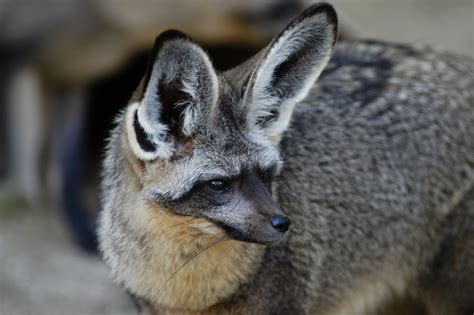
(321,8)
(317,9)
(165,37)
(170,34)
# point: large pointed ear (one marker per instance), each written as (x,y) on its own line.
(287,69)
(180,83)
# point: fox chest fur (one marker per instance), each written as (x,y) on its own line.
(257,191)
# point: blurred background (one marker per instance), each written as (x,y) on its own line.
(66,69)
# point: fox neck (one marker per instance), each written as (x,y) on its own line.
(186,268)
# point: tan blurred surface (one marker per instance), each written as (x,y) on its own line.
(444,24)
(43,273)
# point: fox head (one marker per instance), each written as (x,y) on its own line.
(193,159)
(205,144)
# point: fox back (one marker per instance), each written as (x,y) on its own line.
(257,191)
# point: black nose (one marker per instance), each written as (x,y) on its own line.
(280,223)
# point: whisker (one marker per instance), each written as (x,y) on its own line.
(185,222)
(228,250)
(199,252)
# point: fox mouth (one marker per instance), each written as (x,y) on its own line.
(237,235)
(233,233)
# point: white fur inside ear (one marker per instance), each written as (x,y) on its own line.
(179,64)
(264,99)
(276,128)
(191,86)
(155,134)
(189,76)
(190,112)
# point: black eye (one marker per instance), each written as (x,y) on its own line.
(218,185)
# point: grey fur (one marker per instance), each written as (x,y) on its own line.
(378,180)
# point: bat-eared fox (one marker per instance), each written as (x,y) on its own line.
(258,191)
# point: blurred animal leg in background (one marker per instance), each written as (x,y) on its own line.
(67,164)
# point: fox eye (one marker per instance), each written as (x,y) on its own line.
(218,185)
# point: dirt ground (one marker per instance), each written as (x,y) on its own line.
(43,273)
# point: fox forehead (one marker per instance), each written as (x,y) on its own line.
(210,161)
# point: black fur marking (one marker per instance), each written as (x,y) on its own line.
(170,95)
(339,60)
(254,185)
(407,50)
(142,138)
(371,88)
